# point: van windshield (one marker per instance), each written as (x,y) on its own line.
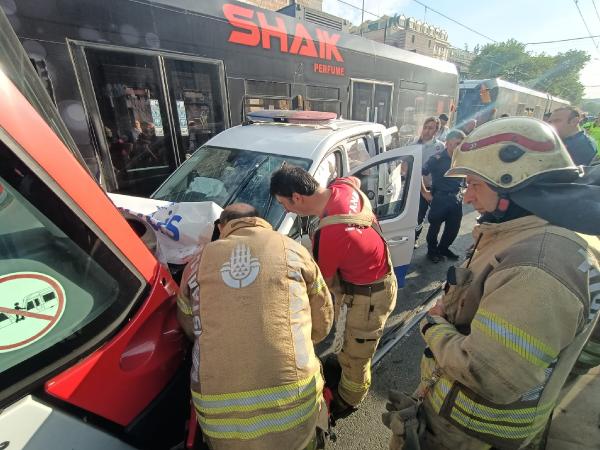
(226,176)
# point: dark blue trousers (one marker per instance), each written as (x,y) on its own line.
(445,208)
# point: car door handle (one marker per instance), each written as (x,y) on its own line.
(393,242)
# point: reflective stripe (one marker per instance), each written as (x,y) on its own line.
(438,331)
(494,429)
(317,286)
(345,383)
(279,396)
(517,415)
(512,337)
(439,392)
(515,423)
(253,427)
(183,305)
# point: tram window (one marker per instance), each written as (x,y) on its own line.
(323,105)
(60,285)
(195,89)
(267,88)
(258,103)
(133,112)
(42,70)
(323,92)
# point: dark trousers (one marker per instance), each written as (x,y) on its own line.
(423,207)
(447,209)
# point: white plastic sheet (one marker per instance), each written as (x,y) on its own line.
(181,229)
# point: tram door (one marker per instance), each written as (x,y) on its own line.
(371,101)
(149,111)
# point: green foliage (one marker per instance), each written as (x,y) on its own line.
(591,106)
(558,75)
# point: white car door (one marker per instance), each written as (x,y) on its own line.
(392,182)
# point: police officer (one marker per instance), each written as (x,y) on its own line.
(254,302)
(444,200)
(504,337)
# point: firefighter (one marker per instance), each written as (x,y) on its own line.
(504,337)
(355,261)
(254,302)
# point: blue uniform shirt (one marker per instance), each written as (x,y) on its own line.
(581,148)
(437,166)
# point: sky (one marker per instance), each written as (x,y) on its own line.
(523,20)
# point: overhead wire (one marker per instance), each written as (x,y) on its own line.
(596,9)
(563,40)
(586,25)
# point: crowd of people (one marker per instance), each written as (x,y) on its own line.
(500,342)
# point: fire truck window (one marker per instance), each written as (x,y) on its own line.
(60,285)
(133,113)
(357,152)
(195,89)
(386,185)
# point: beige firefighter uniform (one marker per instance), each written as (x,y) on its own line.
(517,319)
(361,312)
(256,302)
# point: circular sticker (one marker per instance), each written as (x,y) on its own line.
(31,304)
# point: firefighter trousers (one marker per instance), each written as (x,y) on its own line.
(365,319)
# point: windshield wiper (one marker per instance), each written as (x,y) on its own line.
(246,180)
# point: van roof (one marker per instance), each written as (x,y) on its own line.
(300,141)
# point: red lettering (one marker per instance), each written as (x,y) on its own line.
(328,45)
(277,31)
(236,15)
(303,43)
(315,67)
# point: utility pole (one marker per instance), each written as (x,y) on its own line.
(362,17)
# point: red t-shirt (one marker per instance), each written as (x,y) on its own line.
(358,253)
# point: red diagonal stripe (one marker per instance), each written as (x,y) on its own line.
(529,144)
(20,312)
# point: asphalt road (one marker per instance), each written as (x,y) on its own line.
(399,369)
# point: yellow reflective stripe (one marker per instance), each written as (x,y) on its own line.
(436,332)
(245,402)
(516,415)
(494,429)
(183,305)
(345,383)
(259,425)
(317,286)
(527,346)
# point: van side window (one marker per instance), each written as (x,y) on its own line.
(357,151)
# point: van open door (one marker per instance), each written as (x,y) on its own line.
(392,182)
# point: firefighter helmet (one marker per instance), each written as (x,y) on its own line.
(510,153)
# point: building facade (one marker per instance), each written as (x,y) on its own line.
(462,59)
(407,33)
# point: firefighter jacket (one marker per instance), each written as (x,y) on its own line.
(517,318)
(256,302)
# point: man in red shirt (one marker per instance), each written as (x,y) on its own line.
(355,262)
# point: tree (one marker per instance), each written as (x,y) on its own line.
(558,75)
